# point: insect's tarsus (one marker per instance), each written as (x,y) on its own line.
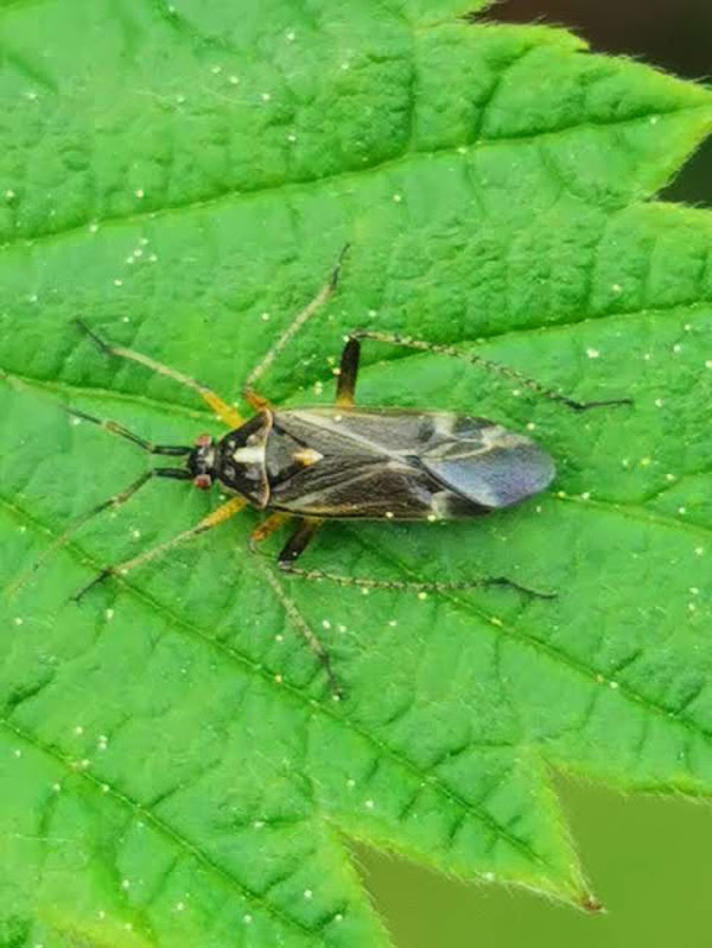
(99,578)
(604,403)
(99,342)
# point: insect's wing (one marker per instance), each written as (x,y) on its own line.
(389,462)
(484,462)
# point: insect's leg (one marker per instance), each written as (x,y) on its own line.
(258,402)
(115,501)
(267,528)
(299,320)
(348,370)
(220,515)
(298,542)
(421,587)
(304,628)
(504,370)
(226,413)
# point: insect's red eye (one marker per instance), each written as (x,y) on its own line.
(203,481)
(203,441)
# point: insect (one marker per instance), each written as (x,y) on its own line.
(340,461)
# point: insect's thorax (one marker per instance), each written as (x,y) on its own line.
(241,459)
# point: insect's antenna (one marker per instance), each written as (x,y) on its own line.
(115,501)
(115,428)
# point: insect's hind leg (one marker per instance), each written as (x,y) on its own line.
(226,413)
(348,372)
(416,586)
(297,543)
(504,370)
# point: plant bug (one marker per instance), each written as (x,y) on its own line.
(340,462)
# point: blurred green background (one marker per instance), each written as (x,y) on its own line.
(649,858)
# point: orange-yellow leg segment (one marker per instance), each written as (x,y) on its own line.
(218,516)
(267,528)
(226,413)
(258,402)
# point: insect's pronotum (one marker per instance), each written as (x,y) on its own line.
(340,461)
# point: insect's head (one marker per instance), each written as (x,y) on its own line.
(201,462)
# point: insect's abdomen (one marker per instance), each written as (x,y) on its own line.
(373,463)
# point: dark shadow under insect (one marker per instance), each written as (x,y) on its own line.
(340,462)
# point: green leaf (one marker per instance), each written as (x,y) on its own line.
(173,768)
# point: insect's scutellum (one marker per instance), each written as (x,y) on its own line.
(339,462)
